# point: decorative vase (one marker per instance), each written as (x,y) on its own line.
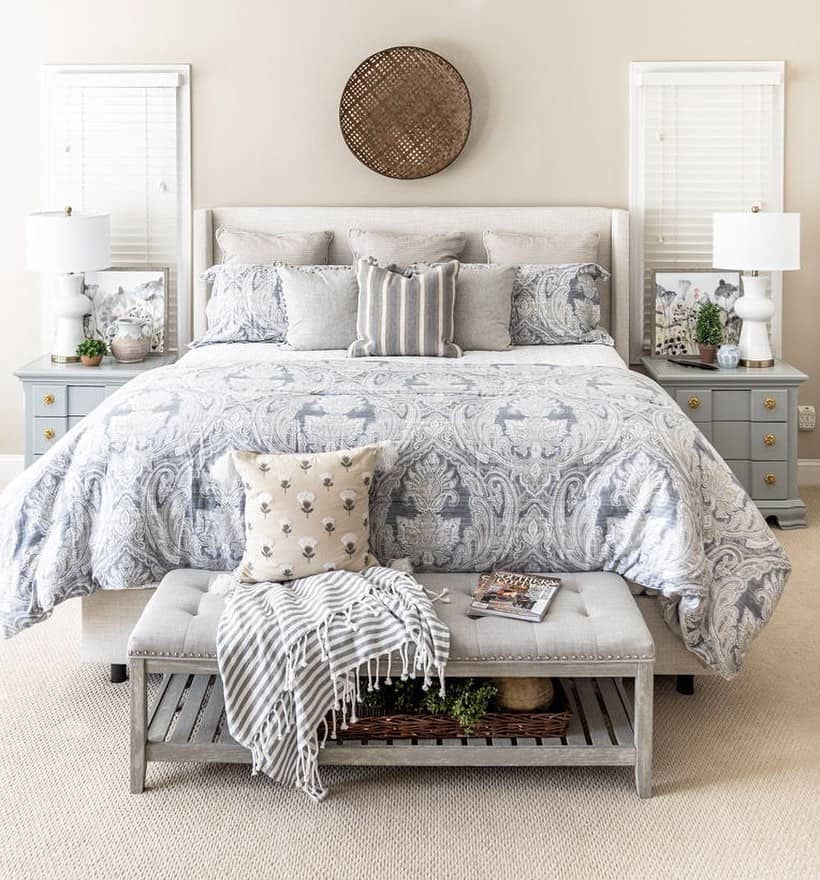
(130,345)
(91,361)
(707,353)
(524,694)
(728,357)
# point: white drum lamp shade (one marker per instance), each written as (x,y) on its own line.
(68,243)
(60,242)
(755,241)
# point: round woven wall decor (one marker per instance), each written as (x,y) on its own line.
(405,112)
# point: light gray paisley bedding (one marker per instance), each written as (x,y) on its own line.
(531,467)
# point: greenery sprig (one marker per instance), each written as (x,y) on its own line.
(467,700)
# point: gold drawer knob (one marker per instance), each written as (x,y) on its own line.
(49,434)
(48,399)
(770,479)
(770,439)
(770,403)
(694,402)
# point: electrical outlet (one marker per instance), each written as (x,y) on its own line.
(806,418)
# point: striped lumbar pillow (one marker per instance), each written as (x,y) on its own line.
(406,313)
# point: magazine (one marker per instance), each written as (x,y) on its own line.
(517,596)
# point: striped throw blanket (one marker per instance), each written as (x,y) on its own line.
(289,653)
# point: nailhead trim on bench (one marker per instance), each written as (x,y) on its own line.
(546,657)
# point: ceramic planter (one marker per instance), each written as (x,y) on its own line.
(91,361)
(707,353)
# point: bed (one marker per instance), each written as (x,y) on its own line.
(550,457)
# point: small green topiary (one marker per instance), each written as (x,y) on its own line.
(91,348)
(708,326)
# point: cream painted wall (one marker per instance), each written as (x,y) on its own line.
(549,82)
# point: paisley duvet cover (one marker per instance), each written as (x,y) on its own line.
(524,466)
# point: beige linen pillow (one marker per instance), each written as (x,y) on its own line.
(405,248)
(257,248)
(515,248)
(305,513)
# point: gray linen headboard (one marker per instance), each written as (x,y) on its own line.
(611,225)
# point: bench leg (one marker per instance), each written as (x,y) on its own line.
(139,723)
(644,697)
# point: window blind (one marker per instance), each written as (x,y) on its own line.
(112,144)
(709,141)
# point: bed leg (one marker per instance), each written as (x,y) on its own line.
(685,684)
(119,673)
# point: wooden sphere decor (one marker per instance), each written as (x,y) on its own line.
(405,112)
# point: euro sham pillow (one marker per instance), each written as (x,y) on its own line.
(406,313)
(242,246)
(245,305)
(558,305)
(321,304)
(305,513)
(406,248)
(516,249)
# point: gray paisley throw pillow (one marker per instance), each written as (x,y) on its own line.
(557,305)
(245,305)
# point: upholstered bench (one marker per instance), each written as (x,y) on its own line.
(593,636)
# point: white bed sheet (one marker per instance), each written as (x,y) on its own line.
(593,355)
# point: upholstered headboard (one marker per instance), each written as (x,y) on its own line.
(611,225)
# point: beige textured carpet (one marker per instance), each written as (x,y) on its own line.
(737,771)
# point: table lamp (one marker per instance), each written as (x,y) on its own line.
(68,243)
(755,241)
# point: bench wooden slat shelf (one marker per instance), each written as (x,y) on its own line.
(186,699)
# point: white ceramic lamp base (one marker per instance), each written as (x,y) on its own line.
(70,305)
(756,310)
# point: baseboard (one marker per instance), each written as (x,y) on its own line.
(10,467)
(808,471)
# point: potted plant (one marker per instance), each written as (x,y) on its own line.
(708,331)
(91,351)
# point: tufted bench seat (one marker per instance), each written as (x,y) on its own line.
(594,629)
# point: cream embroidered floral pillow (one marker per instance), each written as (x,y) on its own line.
(305,513)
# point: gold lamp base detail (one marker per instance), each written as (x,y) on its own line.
(766,363)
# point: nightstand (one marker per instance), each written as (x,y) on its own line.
(57,396)
(750,417)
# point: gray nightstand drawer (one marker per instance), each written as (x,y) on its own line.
(696,403)
(769,480)
(731,405)
(48,400)
(47,431)
(763,480)
(74,420)
(83,398)
(751,440)
(770,405)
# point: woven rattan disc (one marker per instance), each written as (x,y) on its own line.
(405,112)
